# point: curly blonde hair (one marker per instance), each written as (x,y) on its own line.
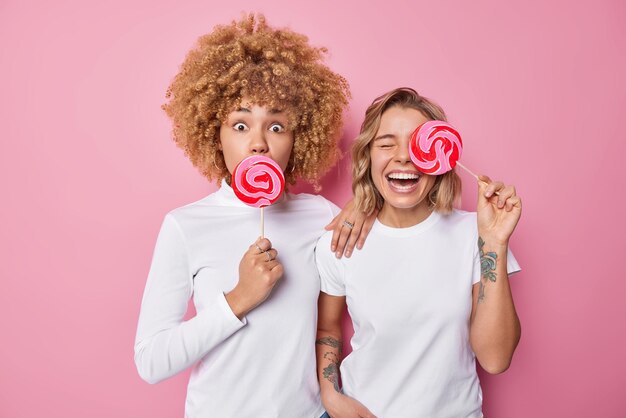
(276,68)
(447,188)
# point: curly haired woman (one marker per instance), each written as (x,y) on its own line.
(246,89)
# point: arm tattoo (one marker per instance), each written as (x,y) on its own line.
(488,263)
(331,372)
(481,291)
(330,341)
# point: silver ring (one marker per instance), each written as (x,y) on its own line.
(259,248)
(348,224)
(269,257)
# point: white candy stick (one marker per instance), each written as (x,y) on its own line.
(474,175)
(468,170)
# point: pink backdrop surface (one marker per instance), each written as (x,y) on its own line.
(88,170)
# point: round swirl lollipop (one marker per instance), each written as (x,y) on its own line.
(258,181)
(435,147)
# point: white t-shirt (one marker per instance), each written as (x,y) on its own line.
(409,294)
(263,366)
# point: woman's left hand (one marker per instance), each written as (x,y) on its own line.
(499,210)
(350,227)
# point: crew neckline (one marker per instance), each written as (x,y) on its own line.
(419,228)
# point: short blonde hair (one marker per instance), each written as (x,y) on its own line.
(272,67)
(447,188)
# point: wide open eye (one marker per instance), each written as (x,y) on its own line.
(240,126)
(277,128)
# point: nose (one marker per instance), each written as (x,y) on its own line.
(402,155)
(258,142)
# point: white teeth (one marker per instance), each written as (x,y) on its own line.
(403,176)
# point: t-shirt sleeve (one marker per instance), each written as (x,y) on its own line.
(512,266)
(165,344)
(331,269)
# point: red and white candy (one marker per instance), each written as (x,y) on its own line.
(258,181)
(435,147)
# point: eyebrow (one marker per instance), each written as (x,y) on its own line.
(384,136)
(246,110)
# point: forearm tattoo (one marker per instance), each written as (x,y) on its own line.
(331,372)
(333,342)
(488,263)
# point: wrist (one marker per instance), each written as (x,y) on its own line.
(493,242)
(329,394)
(237,303)
(331,400)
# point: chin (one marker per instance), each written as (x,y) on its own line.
(402,202)
(403,205)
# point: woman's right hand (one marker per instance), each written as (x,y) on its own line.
(350,227)
(341,406)
(259,271)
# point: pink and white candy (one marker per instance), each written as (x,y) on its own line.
(258,181)
(435,147)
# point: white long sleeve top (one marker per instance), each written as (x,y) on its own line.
(263,365)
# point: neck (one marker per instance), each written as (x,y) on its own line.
(403,217)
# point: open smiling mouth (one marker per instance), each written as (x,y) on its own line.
(403,182)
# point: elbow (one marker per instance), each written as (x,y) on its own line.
(145,370)
(496,357)
(495,360)
(148,377)
(329,332)
(496,367)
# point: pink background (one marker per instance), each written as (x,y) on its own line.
(88,170)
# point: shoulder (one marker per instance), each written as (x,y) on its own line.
(314,202)
(312,199)
(459,217)
(190,214)
(191,208)
(460,221)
